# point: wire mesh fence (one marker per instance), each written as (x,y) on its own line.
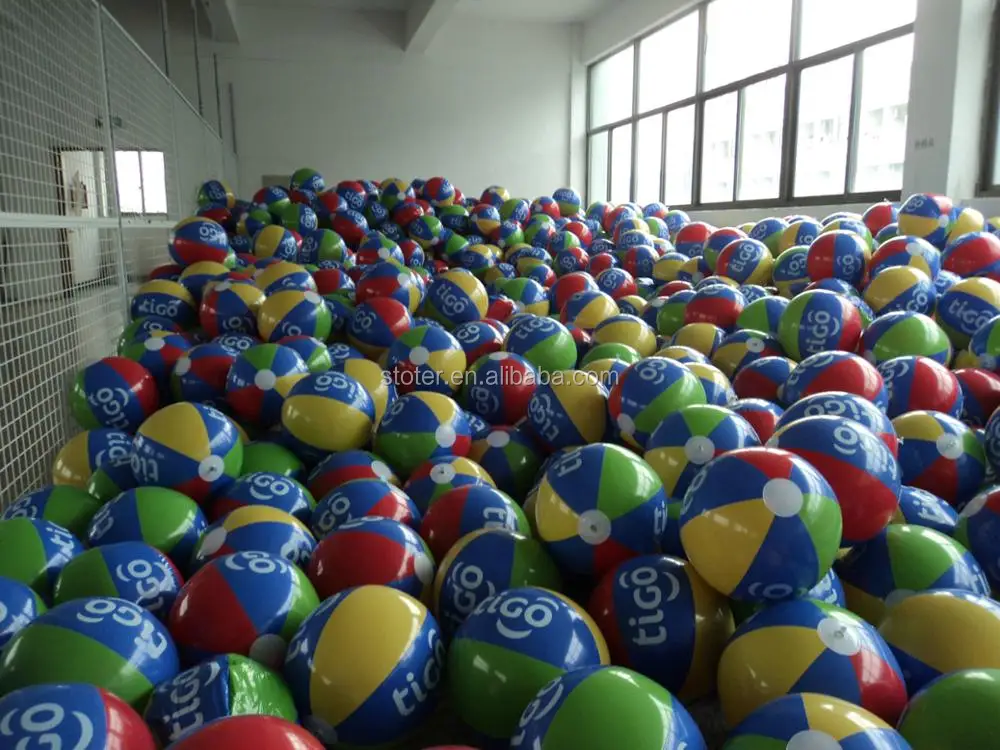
(99,155)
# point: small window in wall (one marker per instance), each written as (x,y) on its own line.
(142,182)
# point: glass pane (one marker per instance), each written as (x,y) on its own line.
(824,115)
(719,150)
(734,28)
(760,142)
(679,172)
(621,164)
(885,93)
(597,169)
(649,158)
(129,182)
(828,24)
(668,64)
(154,182)
(611,88)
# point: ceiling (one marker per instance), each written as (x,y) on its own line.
(559,11)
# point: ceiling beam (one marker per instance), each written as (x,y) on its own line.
(222,15)
(423,20)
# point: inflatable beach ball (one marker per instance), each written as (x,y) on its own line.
(598,505)
(271,732)
(132,571)
(34,552)
(191,448)
(229,685)
(114,392)
(953,712)
(901,560)
(814,721)
(257,528)
(760,524)
(806,646)
(420,426)
(859,467)
(646,393)
(691,437)
(939,454)
(248,603)
(87,452)
(71,716)
(107,642)
(509,648)
(362,691)
(819,321)
(600,707)
(933,633)
(660,618)
(316,403)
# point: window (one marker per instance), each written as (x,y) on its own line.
(823,29)
(649,142)
(746,38)
(611,88)
(760,143)
(885,92)
(621,164)
(678,168)
(824,115)
(769,101)
(142,182)
(668,64)
(718,160)
(989,174)
(597,168)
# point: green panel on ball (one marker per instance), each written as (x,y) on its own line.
(103,487)
(22,555)
(255,689)
(634,709)
(955,712)
(754,742)
(84,576)
(487,702)
(302,605)
(60,655)
(71,508)
(532,565)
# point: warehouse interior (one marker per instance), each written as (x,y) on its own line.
(115,113)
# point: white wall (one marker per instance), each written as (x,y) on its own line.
(489,102)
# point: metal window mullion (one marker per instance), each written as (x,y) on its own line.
(165,29)
(990,144)
(634,157)
(218,94)
(853,123)
(111,164)
(197,61)
(607,176)
(790,136)
(789,123)
(663,157)
(142,183)
(699,107)
(738,142)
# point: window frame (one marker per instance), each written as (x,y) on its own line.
(792,71)
(989,178)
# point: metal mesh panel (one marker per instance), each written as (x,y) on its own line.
(194,163)
(51,101)
(142,104)
(145,248)
(44,337)
(75,92)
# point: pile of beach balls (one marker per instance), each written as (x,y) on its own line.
(377,459)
